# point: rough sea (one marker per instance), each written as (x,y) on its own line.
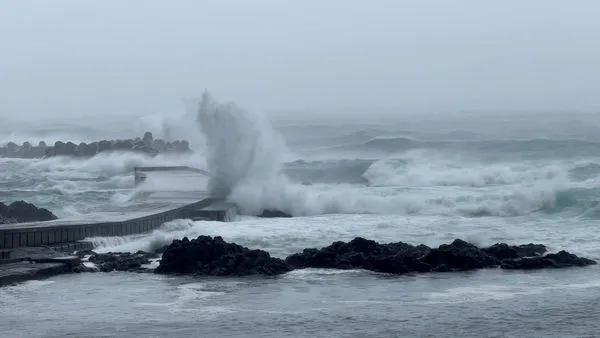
(516,178)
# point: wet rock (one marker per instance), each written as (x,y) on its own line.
(361,253)
(121,261)
(504,251)
(83,253)
(562,259)
(459,255)
(214,257)
(21,211)
(273,214)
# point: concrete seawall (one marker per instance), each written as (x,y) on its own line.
(59,232)
(20,242)
(148,212)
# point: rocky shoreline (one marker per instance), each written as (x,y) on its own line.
(212,256)
(145,144)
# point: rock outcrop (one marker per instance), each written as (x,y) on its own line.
(119,261)
(209,256)
(147,145)
(401,258)
(21,211)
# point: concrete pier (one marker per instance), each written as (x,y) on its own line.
(146,212)
(36,250)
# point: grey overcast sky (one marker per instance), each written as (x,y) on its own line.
(143,56)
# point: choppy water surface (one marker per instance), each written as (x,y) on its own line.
(423,182)
(308,303)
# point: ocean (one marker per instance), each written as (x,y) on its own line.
(487,178)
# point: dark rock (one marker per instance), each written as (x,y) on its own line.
(562,259)
(42,144)
(83,253)
(21,211)
(504,251)
(365,254)
(214,257)
(401,258)
(460,256)
(273,214)
(121,261)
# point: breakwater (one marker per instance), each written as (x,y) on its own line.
(145,144)
(123,223)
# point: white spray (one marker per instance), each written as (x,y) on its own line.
(242,148)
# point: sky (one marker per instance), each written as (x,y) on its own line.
(65,58)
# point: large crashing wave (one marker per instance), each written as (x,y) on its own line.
(245,156)
(242,147)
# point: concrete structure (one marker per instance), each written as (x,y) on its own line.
(218,210)
(148,211)
(33,250)
(141,173)
(35,263)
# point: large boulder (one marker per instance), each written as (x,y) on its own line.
(21,211)
(214,257)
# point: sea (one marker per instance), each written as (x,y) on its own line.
(515,177)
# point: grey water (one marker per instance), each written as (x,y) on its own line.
(419,182)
